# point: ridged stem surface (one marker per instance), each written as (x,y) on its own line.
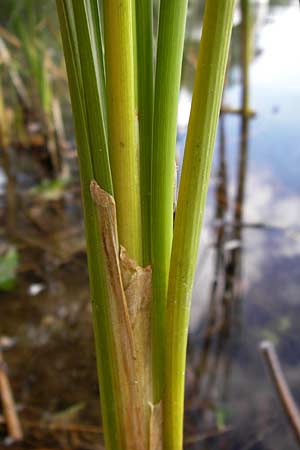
(144,39)
(172,19)
(98,282)
(199,147)
(122,122)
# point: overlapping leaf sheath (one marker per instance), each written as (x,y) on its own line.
(129,288)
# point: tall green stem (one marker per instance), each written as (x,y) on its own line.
(202,127)
(98,283)
(94,13)
(172,19)
(122,122)
(93,103)
(144,38)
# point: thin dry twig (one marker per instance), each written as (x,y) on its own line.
(8,405)
(67,427)
(9,37)
(282,389)
(240,111)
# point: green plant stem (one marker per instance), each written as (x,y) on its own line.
(99,291)
(91,93)
(202,127)
(122,122)
(172,21)
(135,56)
(144,39)
(93,10)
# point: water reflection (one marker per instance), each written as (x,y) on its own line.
(268,198)
(225,293)
(250,238)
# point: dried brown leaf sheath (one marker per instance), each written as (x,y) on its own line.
(129,286)
(156,429)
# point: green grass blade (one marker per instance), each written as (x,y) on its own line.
(99,295)
(144,39)
(94,15)
(122,122)
(203,121)
(94,112)
(135,60)
(172,21)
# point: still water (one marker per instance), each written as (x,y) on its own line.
(247,286)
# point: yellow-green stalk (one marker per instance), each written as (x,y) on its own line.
(199,146)
(120,289)
(99,283)
(172,19)
(122,122)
